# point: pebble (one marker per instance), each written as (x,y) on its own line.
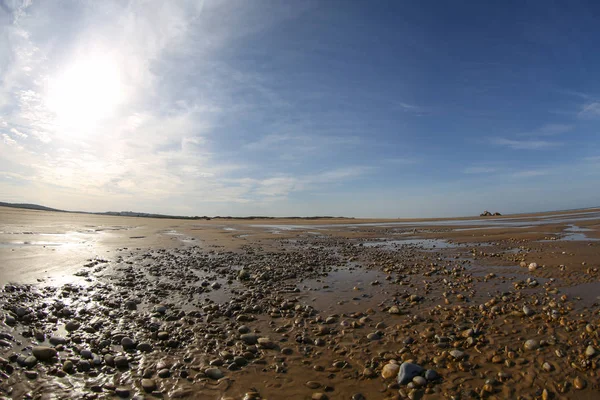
(390,370)
(419,381)
(122,392)
(164,373)
(72,326)
(44,353)
(144,347)
(128,343)
(590,351)
(148,385)
(121,362)
(249,338)
(431,375)
(457,354)
(531,344)
(579,383)
(214,373)
(57,340)
(319,396)
(533,266)
(313,385)
(407,372)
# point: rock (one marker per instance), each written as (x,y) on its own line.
(590,351)
(319,396)
(44,353)
(130,305)
(395,310)
(122,392)
(431,375)
(457,354)
(68,366)
(579,383)
(121,362)
(243,275)
(390,370)
(128,343)
(531,345)
(419,381)
(214,373)
(164,373)
(72,326)
(532,267)
(216,285)
(374,336)
(528,311)
(266,343)
(547,367)
(31,374)
(407,372)
(29,362)
(162,335)
(57,340)
(249,338)
(148,385)
(313,385)
(144,347)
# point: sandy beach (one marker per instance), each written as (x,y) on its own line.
(476,307)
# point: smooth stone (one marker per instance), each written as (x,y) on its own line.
(266,343)
(57,340)
(390,370)
(313,385)
(68,366)
(590,351)
(144,347)
(122,392)
(164,373)
(249,338)
(214,373)
(148,385)
(407,372)
(531,344)
(44,353)
(31,374)
(319,396)
(457,354)
(30,361)
(419,381)
(128,343)
(431,375)
(121,362)
(579,383)
(72,326)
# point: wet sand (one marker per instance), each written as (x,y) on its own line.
(249,309)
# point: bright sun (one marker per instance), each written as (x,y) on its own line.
(85,94)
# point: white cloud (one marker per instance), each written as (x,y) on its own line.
(480,170)
(525,144)
(590,110)
(530,173)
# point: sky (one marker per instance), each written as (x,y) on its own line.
(354,108)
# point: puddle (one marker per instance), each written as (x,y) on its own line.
(28,243)
(574,234)
(589,292)
(421,243)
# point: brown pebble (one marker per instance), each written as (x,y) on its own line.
(579,383)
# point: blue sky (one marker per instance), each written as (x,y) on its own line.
(356,108)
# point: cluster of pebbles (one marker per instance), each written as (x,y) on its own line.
(191,323)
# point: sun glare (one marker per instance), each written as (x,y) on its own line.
(84,94)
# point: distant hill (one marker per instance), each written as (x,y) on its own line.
(29,206)
(148,215)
